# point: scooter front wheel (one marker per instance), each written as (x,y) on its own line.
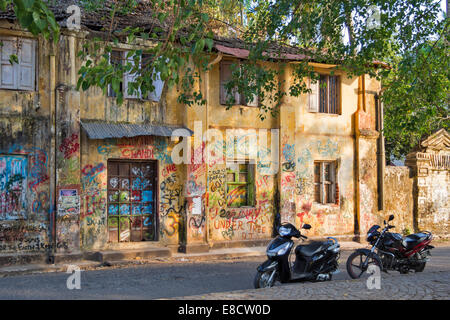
(264,279)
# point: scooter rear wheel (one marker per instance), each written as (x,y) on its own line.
(262,280)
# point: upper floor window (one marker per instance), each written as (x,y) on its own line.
(240,184)
(325,96)
(118,57)
(17,63)
(225,77)
(325,182)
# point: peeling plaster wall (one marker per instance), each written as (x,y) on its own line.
(24,147)
(399,198)
(192,201)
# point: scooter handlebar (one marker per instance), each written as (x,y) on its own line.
(304,237)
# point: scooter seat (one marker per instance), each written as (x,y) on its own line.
(311,249)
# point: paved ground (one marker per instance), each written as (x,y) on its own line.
(421,286)
(198,279)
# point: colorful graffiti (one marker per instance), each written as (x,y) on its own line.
(70,146)
(13,182)
(38,169)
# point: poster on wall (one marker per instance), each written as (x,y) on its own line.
(68,202)
(197,205)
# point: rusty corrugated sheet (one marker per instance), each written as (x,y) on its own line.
(104,130)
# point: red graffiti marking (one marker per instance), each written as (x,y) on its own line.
(168,170)
(70,146)
(139,153)
(38,172)
(263,182)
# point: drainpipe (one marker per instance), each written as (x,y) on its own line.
(381,153)
(215,61)
(357,180)
(52,156)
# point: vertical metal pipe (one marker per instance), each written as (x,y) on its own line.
(52,156)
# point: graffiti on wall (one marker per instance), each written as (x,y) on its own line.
(38,169)
(13,187)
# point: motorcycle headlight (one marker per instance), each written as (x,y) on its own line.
(280,250)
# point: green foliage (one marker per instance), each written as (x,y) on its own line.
(178,55)
(417,97)
(35,16)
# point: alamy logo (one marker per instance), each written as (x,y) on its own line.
(74,280)
(374,20)
(374,281)
(74,21)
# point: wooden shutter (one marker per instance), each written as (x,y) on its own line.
(27,64)
(251,184)
(322,183)
(8,73)
(128,78)
(115,58)
(333,179)
(254,102)
(313,97)
(225,76)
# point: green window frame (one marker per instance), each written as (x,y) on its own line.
(240,184)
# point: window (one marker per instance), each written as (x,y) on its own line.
(325,182)
(225,77)
(131,201)
(240,184)
(325,95)
(21,75)
(117,58)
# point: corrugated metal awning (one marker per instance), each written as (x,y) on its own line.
(104,130)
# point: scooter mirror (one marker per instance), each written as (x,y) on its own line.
(306,226)
(391,217)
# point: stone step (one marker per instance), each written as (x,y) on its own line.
(117,255)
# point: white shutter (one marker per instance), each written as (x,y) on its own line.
(8,71)
(254,102)
(130,77)
(27,62)
(158,84)
(313,97)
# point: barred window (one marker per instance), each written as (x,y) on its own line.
(325,95)
(325,182)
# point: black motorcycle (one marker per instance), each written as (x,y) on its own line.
(317,261)
(390,251)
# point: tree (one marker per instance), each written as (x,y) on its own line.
(350,33)
(417,98)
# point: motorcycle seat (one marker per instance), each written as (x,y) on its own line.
(311,249)
(413,240)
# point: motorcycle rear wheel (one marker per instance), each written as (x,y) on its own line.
(262,280)
(420,267)
(354,264)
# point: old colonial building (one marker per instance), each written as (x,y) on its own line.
(80,174)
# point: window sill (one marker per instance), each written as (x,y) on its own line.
(324,114)
(239,106)
(331,204)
